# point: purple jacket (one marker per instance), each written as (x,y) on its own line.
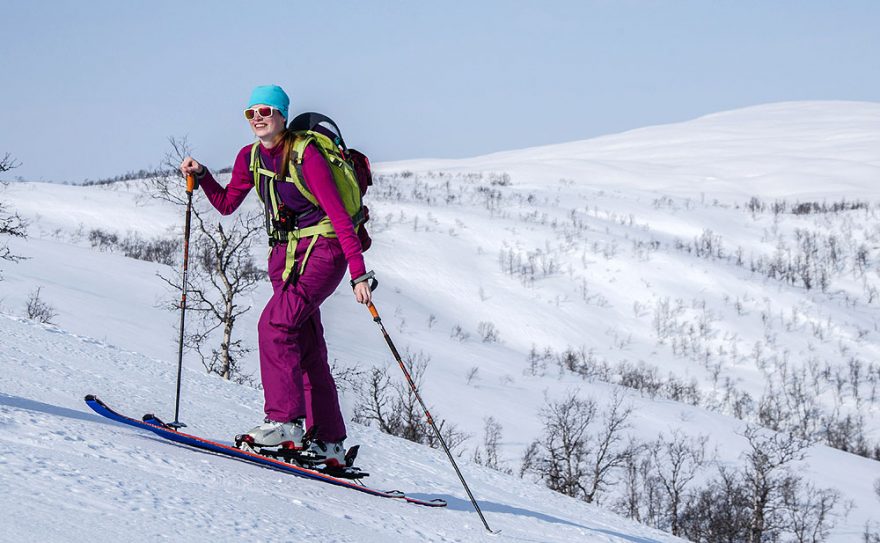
(319,181)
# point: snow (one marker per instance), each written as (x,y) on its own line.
(803,149)
(589,207)
(75,475)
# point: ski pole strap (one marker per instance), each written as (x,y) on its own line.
(201,174)
(369,276)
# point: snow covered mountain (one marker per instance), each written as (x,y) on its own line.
(714,273)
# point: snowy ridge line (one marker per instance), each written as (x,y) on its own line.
(103,409)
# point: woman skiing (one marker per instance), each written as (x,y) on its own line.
(299,390)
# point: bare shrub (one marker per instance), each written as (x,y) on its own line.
(458,333)
(347,377)
(393,407)
(537,360)
(488,332)
(472,374)
(160,250)
(499,180)
(103,241)
(38,310)
(488,455)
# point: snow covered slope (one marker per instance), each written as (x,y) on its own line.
(668,253)
(789,149)
(71,475)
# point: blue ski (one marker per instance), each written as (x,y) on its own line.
(213,446)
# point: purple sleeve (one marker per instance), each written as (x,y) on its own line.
(227,199)
(320,182)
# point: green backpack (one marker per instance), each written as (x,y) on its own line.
(351,173)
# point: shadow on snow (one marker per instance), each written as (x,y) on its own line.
(54,410)
(459,504)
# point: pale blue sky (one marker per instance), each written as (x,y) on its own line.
(94,89)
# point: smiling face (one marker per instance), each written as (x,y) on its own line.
(267,129)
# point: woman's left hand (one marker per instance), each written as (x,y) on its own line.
(362,292)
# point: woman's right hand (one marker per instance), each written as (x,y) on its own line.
(190,166)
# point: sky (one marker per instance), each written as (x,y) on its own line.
(91,90)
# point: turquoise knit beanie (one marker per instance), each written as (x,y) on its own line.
(271,95)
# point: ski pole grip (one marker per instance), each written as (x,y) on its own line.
(190,183)
(373,311)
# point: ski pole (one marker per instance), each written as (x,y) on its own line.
(412,385)
(190,186)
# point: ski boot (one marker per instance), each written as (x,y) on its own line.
(329,453)
(286,435)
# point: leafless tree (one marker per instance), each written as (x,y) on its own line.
(872,531)
(488,456)
(8,163)
(559,458)
(222,271)
(641,496)
(580,447)
(809,511)
(763,501)
(609,451)
(677,460)
(767,473)
(11,224)
(718,512)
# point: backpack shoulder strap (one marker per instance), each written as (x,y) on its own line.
(256,163)
(254,167)
(296,160)
(266,192)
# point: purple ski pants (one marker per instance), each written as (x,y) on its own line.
(293,355)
